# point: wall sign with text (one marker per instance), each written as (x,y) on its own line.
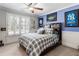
(72,18)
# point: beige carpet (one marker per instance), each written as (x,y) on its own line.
(15,50)
(63,51)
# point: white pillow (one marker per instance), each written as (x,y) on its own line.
(41,31)
(47,26)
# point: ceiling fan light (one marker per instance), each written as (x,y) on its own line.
(30,8)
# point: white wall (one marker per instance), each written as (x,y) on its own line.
(70,39)
(2,24)
(3,36)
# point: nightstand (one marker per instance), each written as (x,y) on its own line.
(1,43)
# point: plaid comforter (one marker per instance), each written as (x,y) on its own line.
(36,43)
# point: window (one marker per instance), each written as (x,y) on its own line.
(17,24)
(23,21)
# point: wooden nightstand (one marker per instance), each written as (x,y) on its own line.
(1,43)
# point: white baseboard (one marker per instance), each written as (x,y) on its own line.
(10,39)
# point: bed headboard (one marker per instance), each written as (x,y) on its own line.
(57,29)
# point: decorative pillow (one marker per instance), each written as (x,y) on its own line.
(49,31)
(41,31)
(55,31)
(47,26)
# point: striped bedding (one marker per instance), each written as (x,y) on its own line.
(36,43)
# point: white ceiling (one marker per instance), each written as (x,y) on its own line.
(48,7)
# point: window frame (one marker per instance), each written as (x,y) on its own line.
(14,15)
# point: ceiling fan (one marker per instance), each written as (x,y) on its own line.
(32,8)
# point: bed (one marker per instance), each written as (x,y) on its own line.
(36,43)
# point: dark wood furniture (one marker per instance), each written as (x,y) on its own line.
(1,43)
(59,30)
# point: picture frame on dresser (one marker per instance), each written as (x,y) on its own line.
(72,18)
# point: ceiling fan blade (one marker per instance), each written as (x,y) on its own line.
(29,4)
(25,4)
(31,7)
(38,8)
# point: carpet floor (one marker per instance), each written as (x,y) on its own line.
(15,50)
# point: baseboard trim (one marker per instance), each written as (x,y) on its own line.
(10,43)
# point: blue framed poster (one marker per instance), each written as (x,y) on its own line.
(40,22)
(52,17)
(71,18)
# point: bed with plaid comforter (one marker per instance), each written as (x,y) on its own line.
(35,43)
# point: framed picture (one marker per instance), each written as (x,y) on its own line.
(40,22)
(52,17)
(72,18)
